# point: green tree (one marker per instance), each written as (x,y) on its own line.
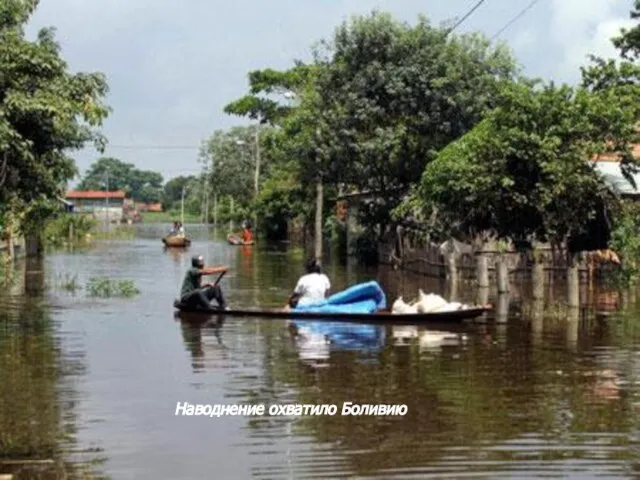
(285,192)
(525,171)
(271,82)
(172,192)
(142,185)
(628,42)
(390,95)
(45,112)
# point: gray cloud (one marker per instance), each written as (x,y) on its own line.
(172,66)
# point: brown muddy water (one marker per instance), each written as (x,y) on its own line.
(95,382)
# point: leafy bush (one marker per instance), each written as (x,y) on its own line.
(106,288)
(67,228)
(625,240)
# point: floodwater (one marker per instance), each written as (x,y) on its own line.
(95,382)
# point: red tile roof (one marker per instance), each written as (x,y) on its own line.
(613,157)
(95,194)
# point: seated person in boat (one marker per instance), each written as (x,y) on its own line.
(174,229)
(180,231)
(311,287)
(194,294)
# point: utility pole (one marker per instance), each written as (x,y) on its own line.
(107,199)
(206,205)
(215,209)
(256,180)
(182,208)
(257,175)
(318,222)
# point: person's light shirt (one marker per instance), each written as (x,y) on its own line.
(312,288)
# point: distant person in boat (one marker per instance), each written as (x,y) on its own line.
(180,231)
(194,294)
(247,236)
(174,229)
(311,287)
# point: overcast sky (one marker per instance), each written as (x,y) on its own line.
(172,66)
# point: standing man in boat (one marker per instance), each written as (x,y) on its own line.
(247,236)
(194,294)
(312,287)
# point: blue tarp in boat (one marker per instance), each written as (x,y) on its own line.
(365,297)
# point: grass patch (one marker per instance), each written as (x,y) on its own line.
(67,282)
(554,311)
(107,288)
(169,217)
(121,232)
(9,274)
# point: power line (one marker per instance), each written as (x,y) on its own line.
(466,15)
(154,147)
(514,19)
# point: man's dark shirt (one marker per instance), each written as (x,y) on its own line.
(191,281)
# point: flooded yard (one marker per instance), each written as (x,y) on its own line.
(96,381)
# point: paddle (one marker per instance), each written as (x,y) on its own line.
(219,278)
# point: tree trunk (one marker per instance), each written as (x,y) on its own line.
(482,297)
(33,245)
(318,225)
(502,274)
(573,282)
(537,279)
(10,250)
(502,309)
(482,269)
(452,268)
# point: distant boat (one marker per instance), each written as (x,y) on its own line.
(176,241)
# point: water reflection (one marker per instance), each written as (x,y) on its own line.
(177,254)
(317,340)
(197,330)
(38,393)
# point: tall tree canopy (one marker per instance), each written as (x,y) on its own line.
(524,172)
(230,160)
(172,192)
(390,95)
(275,83)
(142,185)
(45,111)
(628,42)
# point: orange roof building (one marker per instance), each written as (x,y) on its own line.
(97,202)
(95,194)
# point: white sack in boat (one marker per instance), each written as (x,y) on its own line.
(400,306)
(429,302)
(449,307)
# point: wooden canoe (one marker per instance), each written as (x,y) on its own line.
(378,317)
(174,241)
(235,240)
